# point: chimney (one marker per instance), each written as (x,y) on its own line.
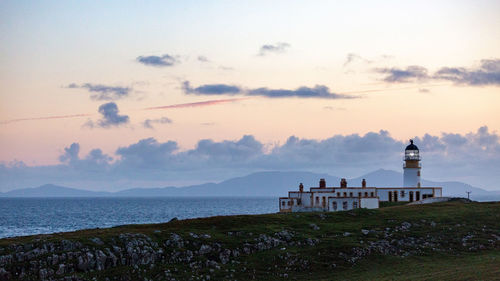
(322,183)
(343,183)
(363,183)
(301,187)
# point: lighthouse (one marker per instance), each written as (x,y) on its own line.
(411,167)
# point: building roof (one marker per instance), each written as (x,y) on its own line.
(411,146)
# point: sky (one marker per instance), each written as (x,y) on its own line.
(118,94)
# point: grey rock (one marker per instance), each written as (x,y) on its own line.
(224,256)
(314,226)
(61,269)
(205,249)
(97,240)
(4,275)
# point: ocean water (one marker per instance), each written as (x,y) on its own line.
(28,216)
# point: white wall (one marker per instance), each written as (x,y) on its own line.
(411,177)
(383,194)
(369,203)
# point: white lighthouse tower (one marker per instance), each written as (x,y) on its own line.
(411,167)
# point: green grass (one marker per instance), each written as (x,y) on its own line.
(447,222)
(468,266)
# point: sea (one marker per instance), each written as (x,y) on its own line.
(29,216)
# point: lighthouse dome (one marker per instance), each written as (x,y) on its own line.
(411,146)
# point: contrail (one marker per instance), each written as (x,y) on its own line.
(195,104)
(44,118)
(182,105)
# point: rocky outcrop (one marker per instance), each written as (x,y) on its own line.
(70,260)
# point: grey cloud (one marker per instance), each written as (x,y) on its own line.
(95,159)
(473,158)
(70,153)
(158,61)
(203,59)
(103,92)
(211,89)
(148,123)
(110,117)
(412,73)
(318,91)
(147,154)
(488,73)
(228,151)
(351,57)
(277,48)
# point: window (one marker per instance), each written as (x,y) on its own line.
(402,193)
(282,203)
(344,205)
(289,203)
(345,194)
(338,194)
(317,200)
(372,195)
(350,194)
(334,205)
(366,194)
(359,194)
(354,205)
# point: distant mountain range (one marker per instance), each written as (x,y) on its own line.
(273,184)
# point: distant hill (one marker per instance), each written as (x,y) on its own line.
(273,184)
(50,190)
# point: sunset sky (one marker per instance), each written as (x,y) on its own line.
(106,95)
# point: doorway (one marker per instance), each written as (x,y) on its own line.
(411,196)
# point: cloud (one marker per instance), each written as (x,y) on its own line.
(211,89)
(195,104)
(351,57)
(412,73)
(488,73)
(148,123)
(103,92)
(158,61)
(203,59)
(277,48)
(472,157)
(318,91)
(110,117)
(70,153)
(147,154)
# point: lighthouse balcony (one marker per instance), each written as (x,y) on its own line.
(412,165)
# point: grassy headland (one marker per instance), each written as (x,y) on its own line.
(443,241)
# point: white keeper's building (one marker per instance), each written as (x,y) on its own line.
(331,199)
